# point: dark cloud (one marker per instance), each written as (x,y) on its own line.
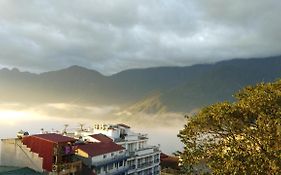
(111,36)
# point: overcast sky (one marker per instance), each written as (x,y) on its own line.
(113,35)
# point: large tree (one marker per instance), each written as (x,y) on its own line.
(240,137)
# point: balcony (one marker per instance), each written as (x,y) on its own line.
(65,150)
(67,168)
(157,161)
(157,172)
(132,137)
(109,161)
(144,151)
(132,167)
(146,164)
(119,171)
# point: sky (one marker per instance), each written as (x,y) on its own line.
(113,35)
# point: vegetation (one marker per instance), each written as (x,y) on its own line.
(242,137)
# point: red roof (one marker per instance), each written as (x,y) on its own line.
(54,138)
(101,138)
(169,161)
(99,148)
(125,126)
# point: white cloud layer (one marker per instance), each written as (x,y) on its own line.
(110,36)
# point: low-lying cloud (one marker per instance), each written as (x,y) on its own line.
(16,112)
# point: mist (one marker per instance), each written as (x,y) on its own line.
(161,128)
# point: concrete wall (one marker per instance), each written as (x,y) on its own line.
(109,156)
(113,134)
(14,153)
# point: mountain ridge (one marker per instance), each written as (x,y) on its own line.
(182,88)
(75,66)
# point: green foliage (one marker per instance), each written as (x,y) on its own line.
(243,137)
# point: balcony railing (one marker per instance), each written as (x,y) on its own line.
(144,151)
(111,160)
(132,167)
(156,160)
(146,164)
(68,150)
(68,167)
(156,172)
(119,171)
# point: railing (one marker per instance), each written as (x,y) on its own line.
(156,172)
(146,164)
(111,160)
(62,151)
(138,136)
(142,151)
(68,167)
(132,167)
(156,160)
(119,171)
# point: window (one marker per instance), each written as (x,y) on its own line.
(110,166)
(112,154)
(120,163)
(104,156)
(105,168)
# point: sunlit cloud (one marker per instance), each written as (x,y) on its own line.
(11,113)
(12,117)
(53,116)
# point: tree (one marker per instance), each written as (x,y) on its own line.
(241,137)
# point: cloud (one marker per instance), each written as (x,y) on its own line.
(53,116)
(110,36)
(15,112)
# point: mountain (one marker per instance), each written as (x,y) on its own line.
(152,90)
(149,105)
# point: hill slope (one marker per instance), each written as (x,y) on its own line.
(179,89)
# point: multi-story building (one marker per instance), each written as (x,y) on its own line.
(101,150)
(143,159)
(51,153)
(103,156)
(57,152)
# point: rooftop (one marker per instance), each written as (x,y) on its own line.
(53,137)
(99,148)
(123,125)
(101,138)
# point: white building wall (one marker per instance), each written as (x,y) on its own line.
(14,153)
(113,134)
(137,147)
(108,156)
(110,168)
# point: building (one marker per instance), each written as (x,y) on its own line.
(100,150)
(57,153)
(103,156)
(169,164)
(142,158)
(21,155)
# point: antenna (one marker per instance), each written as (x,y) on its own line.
(81,126)
(65,127)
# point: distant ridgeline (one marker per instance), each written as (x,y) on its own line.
(175,89)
